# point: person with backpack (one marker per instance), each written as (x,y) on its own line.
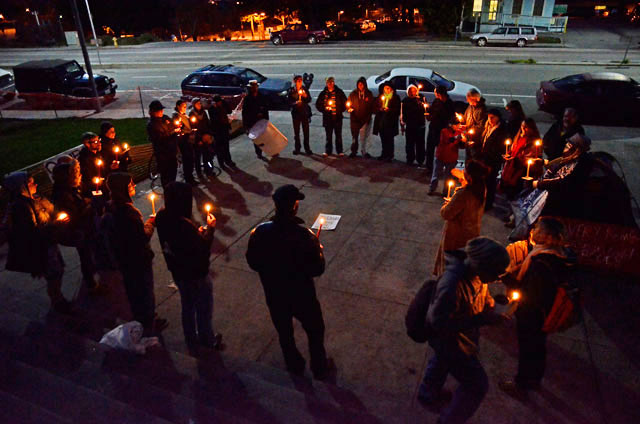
(545,268)
(186,249)
(32,242)
(460,305)
(134,255)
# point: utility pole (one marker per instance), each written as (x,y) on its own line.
(85,54)
(93,29)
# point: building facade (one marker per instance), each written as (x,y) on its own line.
(490,14)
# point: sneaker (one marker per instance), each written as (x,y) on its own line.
(514,390)
(353,155)
(296,152)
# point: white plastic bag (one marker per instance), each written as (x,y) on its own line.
(128,336)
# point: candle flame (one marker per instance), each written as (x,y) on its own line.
(96,180)
(450,183)
(419,86)
(62,216)
(299,91)
(507,141)
(176,122)
(348,104)
(193,119)
(459,116)
(538,143)
(207,207)
(515,295)
(116,149)
(530,161)
(99,162)
(152,196)
(321,221)
(125,146)
(330,102)
(382,97)
(471,131)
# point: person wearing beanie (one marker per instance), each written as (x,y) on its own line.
(473,122)
(460,305)
(413,121)
(299,99)
(33,247)
(186,248)
(134,256)
(546,266)
(287,256)
(463,212)
(491,149)
(113,162)
(385,123)
(360,106)
(331,103)
(162,133)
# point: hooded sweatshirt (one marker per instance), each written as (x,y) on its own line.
(413,110)
(186,250)
(362,104)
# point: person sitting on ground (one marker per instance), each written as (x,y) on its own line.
(538,277)
(463,212)
(386,121)
(562,130)
(114,161)
(361,108)
(412,119)
(134,255)
(461,304)
(186,248)
(32,240)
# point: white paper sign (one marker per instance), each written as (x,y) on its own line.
(330,222)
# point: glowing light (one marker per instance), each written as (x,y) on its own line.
(62,216)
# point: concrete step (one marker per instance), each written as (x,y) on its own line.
(69,400)
(18,411)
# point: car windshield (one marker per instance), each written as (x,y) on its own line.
(439,80)
(249,74)
(383,77)
(499,31)
(568,82)
(73,68)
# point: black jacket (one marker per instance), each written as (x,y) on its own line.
(254,108)
(413,112)
(90,169)
(386,121)
(81,223)
(441,113)
(161,133)
(219,118)
(492,148)
(299,109)
(131,238)
(109,156)
(363,105)
(185,249)
(287,256)
(331,112)
(556,138)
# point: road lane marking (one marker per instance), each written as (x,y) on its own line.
(149,77)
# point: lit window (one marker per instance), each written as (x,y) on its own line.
(493,8)
(477,6)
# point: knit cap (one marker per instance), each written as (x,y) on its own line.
(485,254)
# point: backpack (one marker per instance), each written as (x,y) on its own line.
(418,329)
(565,312)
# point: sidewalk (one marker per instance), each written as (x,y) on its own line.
(377,258)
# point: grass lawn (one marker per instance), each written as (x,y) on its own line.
(24,142)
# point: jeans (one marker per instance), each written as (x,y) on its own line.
(363,135)
(304,123)
(188,156)
(415,144)
(222,147)
(440,168)
(492,185)
(331,127)
(138,284)
(432,142)
(196,297)
(473,387)
(387,140)
(168,170)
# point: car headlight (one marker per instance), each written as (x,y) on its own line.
(284,93)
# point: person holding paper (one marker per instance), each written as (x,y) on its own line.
(538,277)
(287,255)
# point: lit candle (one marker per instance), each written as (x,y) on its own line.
(208,208)
(471,131)
(96,181)
(348,104)
(515,296)
(529,162)
(125,146)
(513,302)
(419,87)
(116,150)
(300,92)
(320,227)
(507,143)
(152,197)
(538,143)
(62,216)
(330,102)
(450,184)
(459,117)
(193,119)
(99,164)
(176,122)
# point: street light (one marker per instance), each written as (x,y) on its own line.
(34,13)
(340,13)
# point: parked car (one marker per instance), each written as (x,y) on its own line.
(518,36)
(598,97)
(425,79)
(231,82)
(297,32)
(7,85)
(59,76)
(344,31)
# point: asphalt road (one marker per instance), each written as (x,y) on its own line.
(163,65)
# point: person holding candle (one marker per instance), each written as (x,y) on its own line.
(186,141)
(162,136)
(546,267)
(556,137)
(331,103)
(460,305)
(491,150)
(386,121)
(88,157)
(187,249)
(221,128)
(287,255)
(134,256)
(202,147)
(299,99)
(441,113)
(254,108)
(413,119)
(109,142)
(463,213)
(32,237)
(361,107)
(473,121)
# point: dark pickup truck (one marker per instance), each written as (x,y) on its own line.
(297,32)
(59,77)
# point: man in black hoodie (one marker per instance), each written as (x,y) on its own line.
(186,249)
(162,136)
(299,99)
(331,103)
(254,108)
(361,106)
(440,113)
(287,256)
(412,117)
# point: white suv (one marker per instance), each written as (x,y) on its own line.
(519,36)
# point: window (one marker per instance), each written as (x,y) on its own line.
(249,74)
(568,82)
(517,7)
(383,77)
(538,6)
(399,83)
(513,31)
(499,31)
(220,80)
(194,80)
(477,6)
(493,8)
(527,31)
(439,80)
(422,84)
